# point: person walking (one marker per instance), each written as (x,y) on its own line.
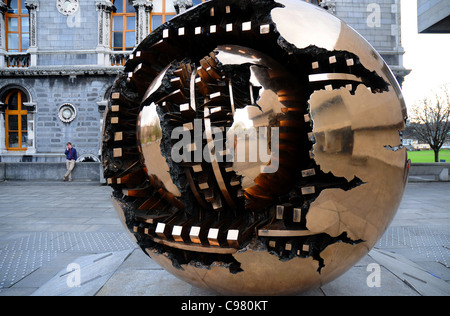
(71,157)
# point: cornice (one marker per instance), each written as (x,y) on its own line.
(3,7)
(60,71)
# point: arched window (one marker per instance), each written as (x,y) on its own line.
(17,26)
(123,26)
(163,11)
(16,120)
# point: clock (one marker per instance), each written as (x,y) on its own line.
(67,7)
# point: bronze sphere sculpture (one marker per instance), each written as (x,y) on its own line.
(254,147)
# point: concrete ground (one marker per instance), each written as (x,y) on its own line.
(66,239)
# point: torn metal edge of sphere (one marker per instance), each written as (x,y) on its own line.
(320,100)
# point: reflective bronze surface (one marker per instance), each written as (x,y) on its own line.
(252,152)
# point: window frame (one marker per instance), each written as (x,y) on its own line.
(125,15)
(21,99)
(19,16)
(163,14)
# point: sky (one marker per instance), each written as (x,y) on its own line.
(427,55)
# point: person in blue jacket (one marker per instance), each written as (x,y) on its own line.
(71,157)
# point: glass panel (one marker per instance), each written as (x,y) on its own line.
(13,41)
(13,140)
(13,7)
(24,123)
(13,122)
(23,7)
(67,113)
(13,25)
(25,24)
(169,17)
(131,23)
(130,39)
(24,99)
(156,21)
(130,8)
(25,41)
(118,40)
(24,139)
(119,6)
(157,6)
(13,101)
(170,7)
(117,23)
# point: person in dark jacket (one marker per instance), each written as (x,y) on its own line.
(71,157)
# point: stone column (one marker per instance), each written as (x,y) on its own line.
(143,10)
(182,5)
(104,9)
(329,5)
(33,7)
(2,128)
(31,109)
(3,9)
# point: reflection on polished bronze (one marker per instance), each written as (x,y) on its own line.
(252,152)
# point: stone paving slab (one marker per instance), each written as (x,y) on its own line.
(47,226)
(416,277)
(85,276)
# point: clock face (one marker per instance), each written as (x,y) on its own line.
(67,113)
(67,7)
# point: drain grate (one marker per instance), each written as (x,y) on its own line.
(97,242)
(22,256)
(17,264)
(426,242)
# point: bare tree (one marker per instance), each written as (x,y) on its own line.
(430,119)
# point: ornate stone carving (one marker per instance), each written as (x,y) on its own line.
(3,8)
(329,5)
(33,7)
(182,5)
(104,8)
(143,9)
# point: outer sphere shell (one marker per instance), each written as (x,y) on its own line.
(356,136)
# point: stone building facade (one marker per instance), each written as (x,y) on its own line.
(379,22)
(59,59)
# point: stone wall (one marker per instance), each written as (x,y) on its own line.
(49,93)
(379,23)
(375,20)
(429,172)
(70,69)
(24,171)
(85,130)
(67,70)
(63,37)
(92,171)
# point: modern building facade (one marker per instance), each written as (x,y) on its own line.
(433,16)
(59,59)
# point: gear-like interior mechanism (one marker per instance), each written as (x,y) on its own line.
(248,157)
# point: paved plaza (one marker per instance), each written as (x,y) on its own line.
(51,230)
